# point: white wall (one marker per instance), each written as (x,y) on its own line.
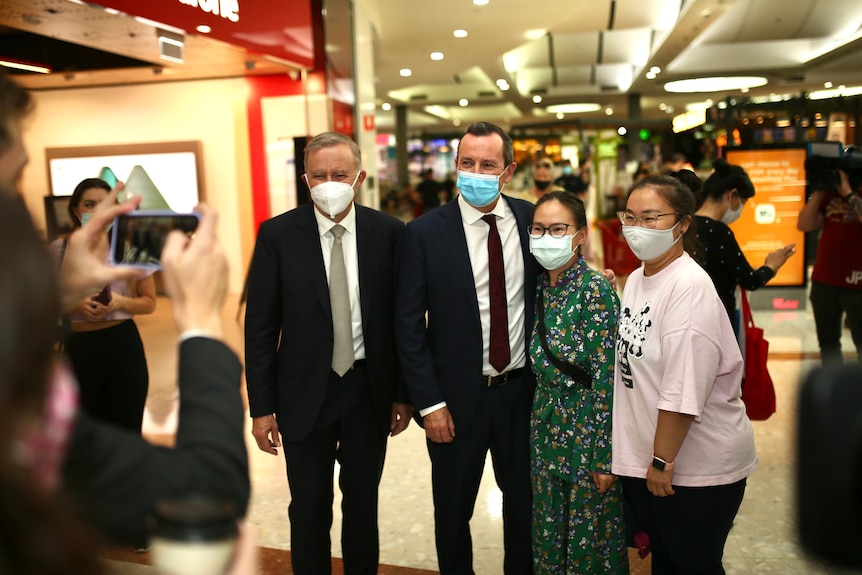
(211,111)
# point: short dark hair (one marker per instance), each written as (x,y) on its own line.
(83,186)
(569,201)
(15,103)
(483,129)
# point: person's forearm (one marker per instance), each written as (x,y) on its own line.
(855,203)
(670,432)
(809,216)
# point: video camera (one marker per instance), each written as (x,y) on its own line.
(822,171)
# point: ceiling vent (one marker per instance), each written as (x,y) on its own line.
(487,94)
(418,97)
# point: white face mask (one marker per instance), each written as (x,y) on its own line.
(732,215)
(649,244)
(552,253)
(333,197)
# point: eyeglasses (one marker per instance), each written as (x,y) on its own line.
(555,230)
(648,221)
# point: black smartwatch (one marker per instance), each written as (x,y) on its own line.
(661,464)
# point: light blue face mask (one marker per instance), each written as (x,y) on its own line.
(85,217)
(479,189)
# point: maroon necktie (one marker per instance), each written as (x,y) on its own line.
(499,353)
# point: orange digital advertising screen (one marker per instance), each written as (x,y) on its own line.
(768,220)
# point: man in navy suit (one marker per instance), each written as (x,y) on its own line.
(327,407)
(471,399)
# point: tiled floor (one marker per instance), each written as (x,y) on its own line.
(763,538)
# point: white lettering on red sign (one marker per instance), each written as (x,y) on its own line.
(228,9)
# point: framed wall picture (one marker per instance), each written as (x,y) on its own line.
(168,175)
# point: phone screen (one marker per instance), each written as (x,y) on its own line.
(138,238)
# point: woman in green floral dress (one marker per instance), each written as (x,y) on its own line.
(577,504)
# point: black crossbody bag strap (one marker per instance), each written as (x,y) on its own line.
(574,371)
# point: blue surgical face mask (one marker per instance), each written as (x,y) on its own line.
(567,170)
(479,189)
(85,217)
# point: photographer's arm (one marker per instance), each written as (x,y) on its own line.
(810,218)
(846,193)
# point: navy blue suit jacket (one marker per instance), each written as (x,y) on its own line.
(288,326)
(443,360)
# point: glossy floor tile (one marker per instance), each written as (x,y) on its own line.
(763,539)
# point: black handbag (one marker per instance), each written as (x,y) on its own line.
(575,371)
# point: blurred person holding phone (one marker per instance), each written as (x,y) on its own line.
(58,462)
(721,200)
(105,347)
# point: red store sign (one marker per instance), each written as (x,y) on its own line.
(282,29)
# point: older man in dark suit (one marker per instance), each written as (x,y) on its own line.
(320,353)
(467,267)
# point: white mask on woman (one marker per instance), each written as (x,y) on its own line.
(649,244)
(732,215)
(333,197)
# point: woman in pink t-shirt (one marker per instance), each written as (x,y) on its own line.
(682,443)
(105,348)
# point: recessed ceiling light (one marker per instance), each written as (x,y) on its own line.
(480,2)
(622,131)
(535,34)
(386,106)
(204,29)
(460,33)
(609,111)
(662,106)
(716,84)
(406,72)
(456,122)
(537,99)
(463,102)
(827,84)
(577,108)
(560,115)
(655,70)
(436,55)
(650,76)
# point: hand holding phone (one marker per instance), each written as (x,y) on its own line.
(137,238)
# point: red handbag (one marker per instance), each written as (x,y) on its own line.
(758,393)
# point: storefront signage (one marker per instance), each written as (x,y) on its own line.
(279,29)
(688,120)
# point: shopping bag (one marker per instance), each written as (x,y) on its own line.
(758,393)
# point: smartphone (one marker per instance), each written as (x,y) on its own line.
(137,238)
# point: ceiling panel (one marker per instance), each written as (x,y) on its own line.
(576,49)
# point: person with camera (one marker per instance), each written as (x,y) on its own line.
(836,282)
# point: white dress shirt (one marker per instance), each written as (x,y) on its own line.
(351,265)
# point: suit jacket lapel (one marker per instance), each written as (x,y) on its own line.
(308,243)
(455,241)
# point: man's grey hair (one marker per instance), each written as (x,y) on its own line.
(329,139)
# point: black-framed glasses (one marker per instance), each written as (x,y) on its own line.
(555,230)
(647,221)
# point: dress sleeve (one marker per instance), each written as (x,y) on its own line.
(599,322)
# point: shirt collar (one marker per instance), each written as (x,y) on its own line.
(324,224)
(471,215)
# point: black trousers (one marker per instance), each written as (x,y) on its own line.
(687,530)
(346,431)
(501,425)
(112,374)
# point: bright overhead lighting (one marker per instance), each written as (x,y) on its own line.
(655,70)
(716,84)
(460,33)
(824,94)
(537,99)
(406,72)
(650,76)
(204,29)
(577,108)
(503,84)
(436,55)
(560,115)
(827,84)
(480,2)
(662,106)
(609,111)
(24,66)
(463,102)
(535,34)
(622,131)
(386,106)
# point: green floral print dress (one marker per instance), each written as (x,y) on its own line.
(576,530)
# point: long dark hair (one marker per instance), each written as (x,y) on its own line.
(676,192)
(83,186)
(37,534)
